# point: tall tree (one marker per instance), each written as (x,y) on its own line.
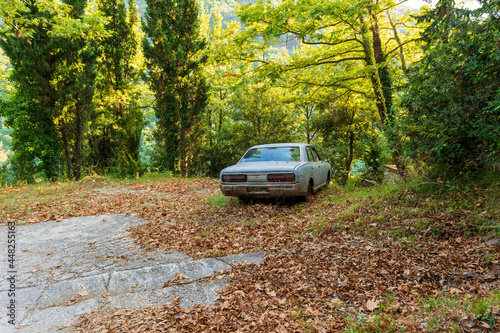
(453,96)
(31,111)
(173,49)
(75,88)
(331,34)
(118,121)
(48,44)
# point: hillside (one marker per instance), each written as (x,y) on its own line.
(227,8)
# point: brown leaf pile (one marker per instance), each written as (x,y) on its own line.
(331,263)
(322,286)
(161,199)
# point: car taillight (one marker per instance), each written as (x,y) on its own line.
(234,178)
(281,177)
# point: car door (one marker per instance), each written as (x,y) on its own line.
(315,165)
(323,166)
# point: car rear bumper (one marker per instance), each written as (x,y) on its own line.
(261,191)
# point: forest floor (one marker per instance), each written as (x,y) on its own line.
(392,258)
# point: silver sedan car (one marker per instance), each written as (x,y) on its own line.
(276,170)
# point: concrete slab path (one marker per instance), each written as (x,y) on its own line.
(68,268)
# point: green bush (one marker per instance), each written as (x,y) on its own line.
(452,100)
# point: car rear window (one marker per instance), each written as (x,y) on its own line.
(282,154)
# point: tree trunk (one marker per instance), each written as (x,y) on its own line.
(183,153)
(370,60)
(79,126)
(221,110)
(220,119)
(400,45)
(350,157)
(382,87)
(67,152)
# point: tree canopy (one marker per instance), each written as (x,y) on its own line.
(89,87)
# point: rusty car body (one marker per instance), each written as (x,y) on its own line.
(276,170)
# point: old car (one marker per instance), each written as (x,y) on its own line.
(276,170)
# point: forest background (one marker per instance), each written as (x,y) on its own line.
(123,89)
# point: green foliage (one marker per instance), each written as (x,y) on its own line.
(323,73)
(345,49)
(173,50)
(75,86)
(30,112)
(374,156)
(34,140)
(53,74)
(6,88)
(5,142)
(345,125)
(118,120)
(453,97)
(19,18)
(261,114)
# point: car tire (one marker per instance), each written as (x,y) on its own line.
(327,180)
(310,190)
(245,200)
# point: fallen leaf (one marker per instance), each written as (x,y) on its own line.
(337,302)
(372,304)
(177,300)
(240,293)
(63,326)
(467,322)
(484,325)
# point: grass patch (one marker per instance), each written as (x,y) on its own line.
(220,200)
(418,208)
(453,313)
(377,323)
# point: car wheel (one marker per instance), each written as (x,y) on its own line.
(245,200)
(310,188)
(310,191)
(327,180)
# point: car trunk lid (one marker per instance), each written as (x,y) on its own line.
(252,168)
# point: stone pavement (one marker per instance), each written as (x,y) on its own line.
(68,268)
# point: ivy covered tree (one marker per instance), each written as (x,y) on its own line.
(74,83)
(52,62)
(118,119)
(453,97)
(31,111)
(174,52)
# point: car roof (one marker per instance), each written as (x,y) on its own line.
(298,144)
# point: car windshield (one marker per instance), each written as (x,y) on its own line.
(283,154)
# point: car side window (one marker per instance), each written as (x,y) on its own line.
(310,156)
(316,155)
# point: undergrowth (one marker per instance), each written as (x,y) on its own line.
(420,207)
